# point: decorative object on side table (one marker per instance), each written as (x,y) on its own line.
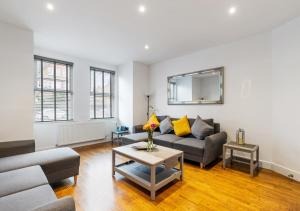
(240,136)
(248,148)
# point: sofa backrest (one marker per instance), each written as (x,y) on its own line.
(191,121)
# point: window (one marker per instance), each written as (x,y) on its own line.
(52,90)
(101,93)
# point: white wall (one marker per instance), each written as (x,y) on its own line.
(247,88)
(286,95)
(126,94)
(140,89)
(46,133)
(133,85)
(16,83)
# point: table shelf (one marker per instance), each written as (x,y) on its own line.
(141,174)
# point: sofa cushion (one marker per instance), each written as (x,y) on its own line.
(190,145)
(51,160)
(208,121)
(21,179)
(63,204)
(166,140)
(136,137)
(11,148)
(165,126)
(201,129)
(28,199)
(182,126)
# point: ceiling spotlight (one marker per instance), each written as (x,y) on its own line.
(146,47)
(142,9)
(232,10)
(49,6)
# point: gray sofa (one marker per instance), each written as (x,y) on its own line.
(25,176)
(203,151)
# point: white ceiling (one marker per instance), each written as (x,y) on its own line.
(113,31)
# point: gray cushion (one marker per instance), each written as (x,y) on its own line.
(190,146)
(57,164)
(166,140)
(136,137)
(11,148)
(201,129)
(28,199)
(191,121)
(63,204)
(56,158)
(21,179)
(165,126)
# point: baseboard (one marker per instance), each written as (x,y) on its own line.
(290,173)
(275,167)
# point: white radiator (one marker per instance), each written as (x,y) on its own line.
(80,132)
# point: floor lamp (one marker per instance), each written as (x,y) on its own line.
(148,106)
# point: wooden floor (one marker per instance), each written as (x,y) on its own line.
(211,189)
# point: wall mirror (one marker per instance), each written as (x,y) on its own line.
(201,87)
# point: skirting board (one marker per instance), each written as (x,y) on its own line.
(275,167)
(285,171)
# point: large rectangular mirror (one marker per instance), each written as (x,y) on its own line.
(201,87)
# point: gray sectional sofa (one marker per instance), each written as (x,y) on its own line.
(25,176)
(203,151)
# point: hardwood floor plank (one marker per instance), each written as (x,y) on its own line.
(202,189)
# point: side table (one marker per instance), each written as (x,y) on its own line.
(118,133)
(248,148)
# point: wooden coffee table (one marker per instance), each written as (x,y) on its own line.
(149,169)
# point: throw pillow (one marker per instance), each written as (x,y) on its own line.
(165,126)
(201,129)
(152,120)
(182,126)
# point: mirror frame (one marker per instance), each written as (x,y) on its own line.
(199,102)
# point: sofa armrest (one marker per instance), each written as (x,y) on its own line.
(16,147)
(63,204)
(214,147)
(137,129)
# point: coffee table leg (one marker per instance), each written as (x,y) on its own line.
(113,162)
(231,156)
(153,174)
(224,156)
(251,165)
(181,167)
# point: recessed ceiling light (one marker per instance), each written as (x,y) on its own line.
(49,6)
(142,9)
(146,47)
(232,10)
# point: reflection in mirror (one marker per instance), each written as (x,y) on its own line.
(202,87)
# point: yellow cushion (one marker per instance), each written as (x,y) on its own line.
(182,126)
(152,120)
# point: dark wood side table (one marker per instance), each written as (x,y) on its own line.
(248,148)
(118,133)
